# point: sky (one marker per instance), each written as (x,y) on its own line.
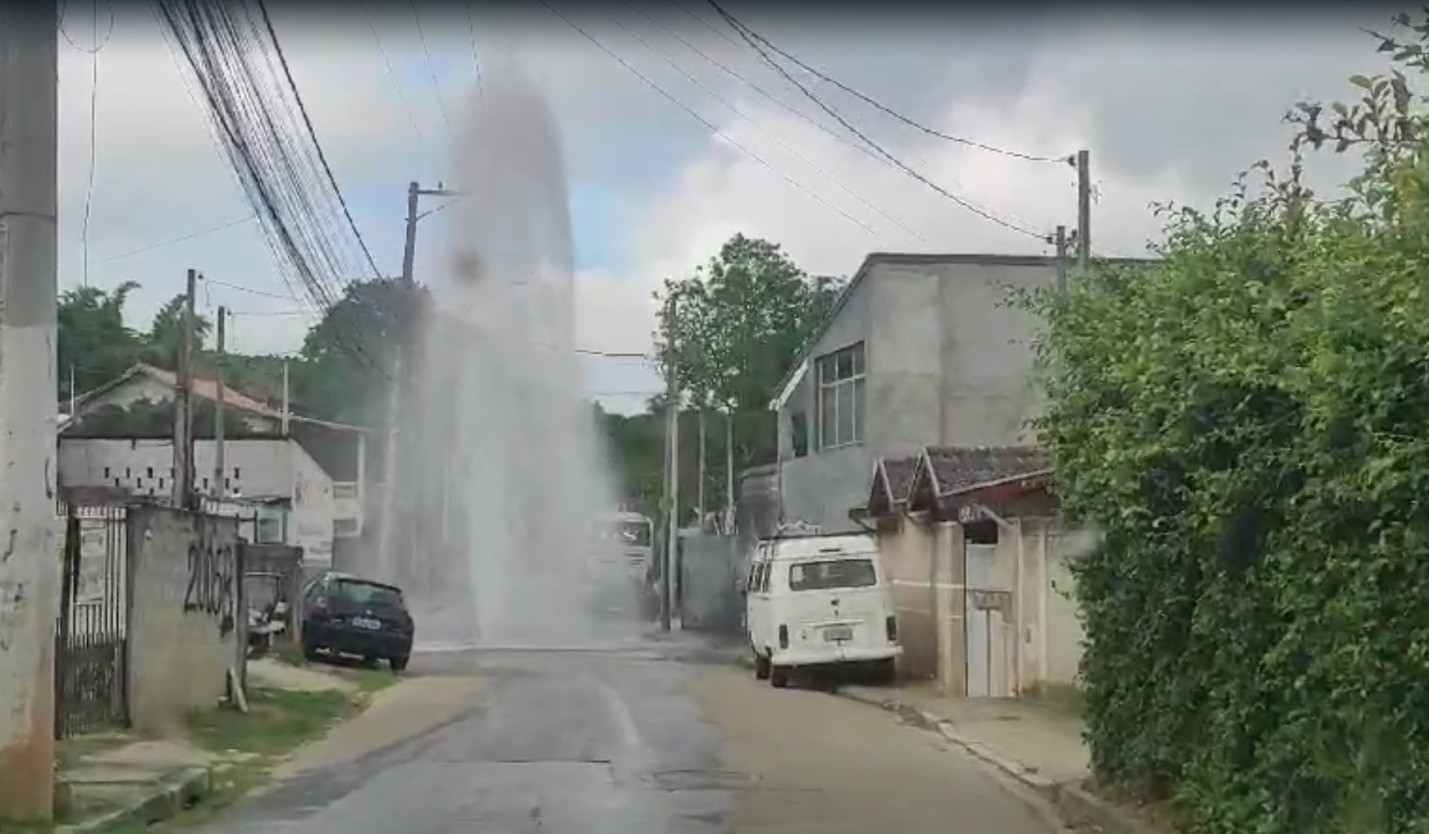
(677,135)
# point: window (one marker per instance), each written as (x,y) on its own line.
(799,433)
(236,472)
(840,397)
(149,472)
(834,573)
(368,594)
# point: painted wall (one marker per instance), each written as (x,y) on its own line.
(949,362)
(185,615)
(141,387)
(906,550)
(256,469)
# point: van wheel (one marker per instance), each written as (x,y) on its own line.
(779,676)
(761,667)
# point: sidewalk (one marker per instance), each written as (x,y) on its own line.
(1038,744)
(110,778)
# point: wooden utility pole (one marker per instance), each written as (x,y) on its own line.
(1084,209)
(29,580)
(672,469)
(218,468)
(183,404)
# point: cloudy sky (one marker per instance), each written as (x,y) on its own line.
(1170,106)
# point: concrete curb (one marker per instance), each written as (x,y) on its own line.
(170,795)
(1077,807)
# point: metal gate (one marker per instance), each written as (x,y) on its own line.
(91,637)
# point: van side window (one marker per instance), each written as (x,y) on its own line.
(764,577)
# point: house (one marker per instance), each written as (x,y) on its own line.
(316,466)
(919,351)
(977,553)
(272,483)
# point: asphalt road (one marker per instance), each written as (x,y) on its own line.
(654,740)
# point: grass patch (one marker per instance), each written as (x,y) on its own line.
(277,721)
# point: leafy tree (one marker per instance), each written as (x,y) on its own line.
(741,323)
(349,356)
(1246,423)
(93,340)
(166,333)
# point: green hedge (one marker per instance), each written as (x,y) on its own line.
(1248,422)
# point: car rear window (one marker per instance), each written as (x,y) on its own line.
(832,573)
(366,593)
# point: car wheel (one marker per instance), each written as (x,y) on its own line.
(398,664)
(761,667)
(779,676)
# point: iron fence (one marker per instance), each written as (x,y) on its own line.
(91,636)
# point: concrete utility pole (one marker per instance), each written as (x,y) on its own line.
(183,404)
(414,195)
(1084,209)
(1059,239)
(287,396)
(389,476)
(672,471)
(218,431)
(700,489)
(29,575)
(729,497)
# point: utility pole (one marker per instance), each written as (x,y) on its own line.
(672,469)
(287,396)
(1084,209)
(729,499)
(414,195)
(700,489)
(218,469)
(386,532)
(29,579)
(1059,239)
(183,405)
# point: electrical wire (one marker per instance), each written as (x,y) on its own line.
(151,247)
(93,130)
(475,56)
(250,290)
(966,204)
(431,70)
(392,73)
(711,126)
(313,135)
(744,29)
(98,42)
(793,151)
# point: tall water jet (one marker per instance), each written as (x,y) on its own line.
(509,437)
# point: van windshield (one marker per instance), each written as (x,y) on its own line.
(834,573)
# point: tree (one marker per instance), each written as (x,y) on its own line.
(1246,423)
(166,333)
(349,356)
(741,323)
(93,341)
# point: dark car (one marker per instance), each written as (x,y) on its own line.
(347,614)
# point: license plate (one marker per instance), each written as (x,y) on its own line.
(838,634)
(364,622)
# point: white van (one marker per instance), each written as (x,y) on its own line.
(819,601)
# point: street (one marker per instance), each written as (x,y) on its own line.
(628,741)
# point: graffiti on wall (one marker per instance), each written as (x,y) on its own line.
(212,580)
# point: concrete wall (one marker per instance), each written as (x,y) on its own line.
(186,609)
(949,362)
(906,550)
(257,469)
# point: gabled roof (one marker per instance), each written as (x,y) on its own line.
(203,388)
(892,479)
(947,472)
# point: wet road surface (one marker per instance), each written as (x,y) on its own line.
(653,740)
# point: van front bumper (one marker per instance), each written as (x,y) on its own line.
(833,657)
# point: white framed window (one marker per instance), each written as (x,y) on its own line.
(840,397)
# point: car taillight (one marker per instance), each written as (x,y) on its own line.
(783,637)
(892,629)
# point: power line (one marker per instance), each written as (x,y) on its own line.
(744,29)
(392,73)
(735,109)
(99,43)
(313,135)
(93,128)
(475,58)
(250,290)
(436,85)
(970,206)
(701,119)
(141,250)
